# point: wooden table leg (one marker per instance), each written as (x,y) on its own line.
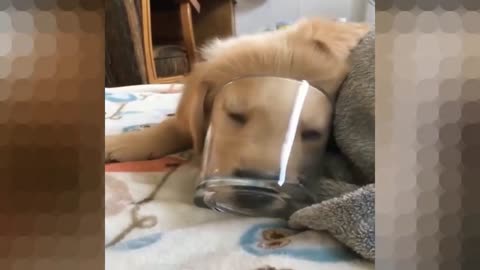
(147,41)
(187,31)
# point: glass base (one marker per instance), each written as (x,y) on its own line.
(259,198)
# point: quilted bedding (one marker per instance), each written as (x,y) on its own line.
(151,222)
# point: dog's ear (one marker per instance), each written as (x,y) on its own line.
(334,37)
(193,110)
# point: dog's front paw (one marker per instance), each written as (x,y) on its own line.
(124,147)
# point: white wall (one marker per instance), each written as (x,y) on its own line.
(370,15)
(257,15)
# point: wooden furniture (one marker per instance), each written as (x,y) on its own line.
(124,58)
(173,30)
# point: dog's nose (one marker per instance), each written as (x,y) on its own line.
(254,174)
(252,201)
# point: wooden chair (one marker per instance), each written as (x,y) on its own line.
(197,22)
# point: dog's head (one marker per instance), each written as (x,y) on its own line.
(256,112)
(250,120)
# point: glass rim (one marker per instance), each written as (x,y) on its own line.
(297,81)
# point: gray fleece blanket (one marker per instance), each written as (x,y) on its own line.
(347,210)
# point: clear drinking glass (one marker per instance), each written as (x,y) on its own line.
(266,137)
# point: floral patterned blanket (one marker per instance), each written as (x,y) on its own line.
(151,222)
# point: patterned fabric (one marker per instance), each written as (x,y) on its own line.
(151,222)
(128,109)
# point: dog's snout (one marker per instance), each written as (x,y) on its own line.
(252,201)
(254,174)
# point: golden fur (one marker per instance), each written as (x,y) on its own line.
(315,50)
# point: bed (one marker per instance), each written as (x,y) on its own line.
(151,222)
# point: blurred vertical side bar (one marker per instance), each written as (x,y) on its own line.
(428,134)
(51,134)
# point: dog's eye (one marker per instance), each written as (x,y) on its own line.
(238,117)
(310,134)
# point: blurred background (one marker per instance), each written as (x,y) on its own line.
(257,15)
(157,42)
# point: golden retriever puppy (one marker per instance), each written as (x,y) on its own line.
(315,50)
